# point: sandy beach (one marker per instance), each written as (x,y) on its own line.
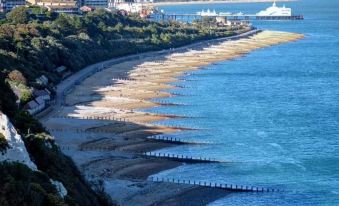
(100,126)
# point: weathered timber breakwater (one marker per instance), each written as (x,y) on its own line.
(106,135)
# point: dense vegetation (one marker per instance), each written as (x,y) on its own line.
(36,46)
(33,42)
(21,186)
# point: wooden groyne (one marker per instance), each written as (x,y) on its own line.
(84,131)
(176,140)
(228,187)
(92,118)
(182,158)
(167,103)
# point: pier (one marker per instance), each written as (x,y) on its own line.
(245,17)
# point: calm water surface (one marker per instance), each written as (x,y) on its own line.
(272,114)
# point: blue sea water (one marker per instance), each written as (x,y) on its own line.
(273,114)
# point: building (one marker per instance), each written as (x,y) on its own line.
(87,8)
(44,94)
(39,103)
(8,5)
(32,107)
(35,106)
(2,6)
(60,6)
(221,20)
(60,69)
(237,23)
(95,3)
(130,7)
(42,80)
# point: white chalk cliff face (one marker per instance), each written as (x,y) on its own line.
(17,151)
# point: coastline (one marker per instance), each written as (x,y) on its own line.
(215,2)
(112,148)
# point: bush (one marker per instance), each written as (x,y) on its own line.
(26,96)
(19,185)
(3,144)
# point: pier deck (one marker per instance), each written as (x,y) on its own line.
(245,17)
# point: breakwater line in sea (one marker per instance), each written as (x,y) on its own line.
(182,158)
(176,140)
(230,187)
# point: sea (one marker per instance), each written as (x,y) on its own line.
(271,116)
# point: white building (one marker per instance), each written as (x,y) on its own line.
(129,7)
(59,6)
(207,13)
(274,10)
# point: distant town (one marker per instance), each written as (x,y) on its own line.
(142,7)
(80,6)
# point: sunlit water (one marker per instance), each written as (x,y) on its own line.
(273,114)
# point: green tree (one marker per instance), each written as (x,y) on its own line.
(18,15)
(62,23)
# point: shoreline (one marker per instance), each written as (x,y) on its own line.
(66,85)
(103,132)
(216,2)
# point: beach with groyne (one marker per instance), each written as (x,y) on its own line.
(99,123)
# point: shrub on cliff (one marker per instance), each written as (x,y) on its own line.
(19,185)
(51,160)
(3,144)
